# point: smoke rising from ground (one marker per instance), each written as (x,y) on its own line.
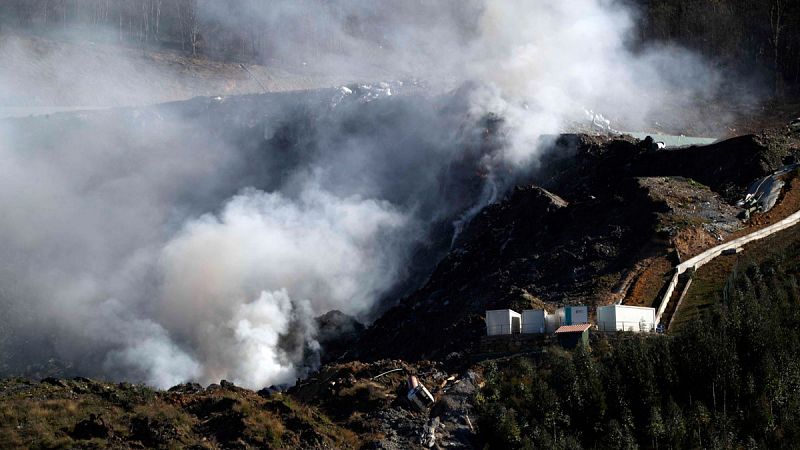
(198,241)
(328,252)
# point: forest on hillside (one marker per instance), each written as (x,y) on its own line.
(757,38)
(730,380)
(176,24)
(232,30)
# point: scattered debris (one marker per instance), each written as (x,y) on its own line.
(387,373)
(186,388)
(429,433)
(598,121)
(418,394)
(763,194)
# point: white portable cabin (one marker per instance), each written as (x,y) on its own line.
(503,321)
(533,321)
(572,315)
(626,318)
(538,321)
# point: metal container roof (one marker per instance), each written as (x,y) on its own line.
(574,328)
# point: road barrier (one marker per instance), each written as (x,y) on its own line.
(637,327)
(708,255)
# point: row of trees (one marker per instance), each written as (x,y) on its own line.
(741,34)
(240,30)
(731,380)
(173,23)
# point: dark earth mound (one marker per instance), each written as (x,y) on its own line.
(600,216)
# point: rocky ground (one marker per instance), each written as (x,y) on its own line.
(361,398)
(83,413)
(342,406)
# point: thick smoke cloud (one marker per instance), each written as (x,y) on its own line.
(540,63)
(328,252)
(359,38)
(198,241)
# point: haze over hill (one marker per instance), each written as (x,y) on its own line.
(288,193)
(218,229)
(45,74)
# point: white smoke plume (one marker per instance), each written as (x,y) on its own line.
(150,244)
(235,273)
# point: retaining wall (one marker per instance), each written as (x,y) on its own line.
(712,253)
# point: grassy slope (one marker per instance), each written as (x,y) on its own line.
(46,415)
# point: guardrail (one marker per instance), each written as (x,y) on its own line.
(708,255)
(532,329)
(498,330)
(637,327)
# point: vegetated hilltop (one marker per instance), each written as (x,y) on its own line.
(83,413)
(351,405)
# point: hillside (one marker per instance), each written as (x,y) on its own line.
(722,382)
(351,405)
(430,224)
(585,228)
(83,413)
(611,210)
(50,72)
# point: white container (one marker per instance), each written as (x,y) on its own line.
(572,315)
(534,321)
(626,318)
(503,321)
(551,323)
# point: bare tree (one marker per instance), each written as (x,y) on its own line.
(194,27)
(777,24)
(189,24)
(157,10)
